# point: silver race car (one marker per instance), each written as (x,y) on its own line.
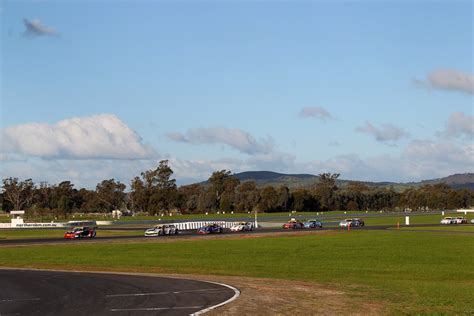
(160,230)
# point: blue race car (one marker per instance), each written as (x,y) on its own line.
(313,223)
(210,229)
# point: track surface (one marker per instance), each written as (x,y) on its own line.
(30,292)
(192,234)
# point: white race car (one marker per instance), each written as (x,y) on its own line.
(345,223)
(160,230)
(448,220)
(352,222)
(460,220)
(242,226)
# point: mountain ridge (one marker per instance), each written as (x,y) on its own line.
(263,178)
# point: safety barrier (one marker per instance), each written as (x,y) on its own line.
(197,225)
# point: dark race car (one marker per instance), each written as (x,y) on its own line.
(81,232)
(210,229)
(293,224)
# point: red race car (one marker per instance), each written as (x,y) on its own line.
(80,232)
(293,224)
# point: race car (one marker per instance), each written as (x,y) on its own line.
(242,226)
(352,222)
(80,232)
(293,224)
(210,229)
(448,221)
(461,220)
(313,223)
(160,230)
(359,222)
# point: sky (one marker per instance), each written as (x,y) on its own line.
(373,90)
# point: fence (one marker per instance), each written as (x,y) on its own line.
(197,225)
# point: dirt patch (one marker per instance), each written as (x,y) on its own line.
(284,297)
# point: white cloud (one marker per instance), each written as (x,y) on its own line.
(233,137)
(460,124)
(440,152)
(421,159)
(85,151)
(448,79)
(34,28)
(316,112)
(388,133)
(101,136)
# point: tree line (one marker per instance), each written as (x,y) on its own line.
(155,192)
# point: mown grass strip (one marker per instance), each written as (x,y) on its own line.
(426,273)
(58,233)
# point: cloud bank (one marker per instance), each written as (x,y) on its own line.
(315,112)
(388,133)
(448,79)
(232,137)
(460,124)
(102,136)
(34,28)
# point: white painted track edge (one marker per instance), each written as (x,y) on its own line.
(233,298)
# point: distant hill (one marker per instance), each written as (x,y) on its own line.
(455,181)
(293,181)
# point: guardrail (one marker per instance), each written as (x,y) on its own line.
(197,225)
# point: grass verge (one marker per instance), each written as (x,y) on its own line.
(57,233)
(412,272)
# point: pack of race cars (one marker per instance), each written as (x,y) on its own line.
(214,228)
(455,220)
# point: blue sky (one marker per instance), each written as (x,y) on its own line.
(374,90)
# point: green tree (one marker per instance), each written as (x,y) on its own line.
(155,191)
(188,197)
(247,196)
(18,193)
(284,199)
(268,200)
(325,190)
(303,201)
(110,194)
(222,185)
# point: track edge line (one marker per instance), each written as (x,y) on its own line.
(233,298)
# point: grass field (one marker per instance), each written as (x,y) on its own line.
(457,228)
(410,272)
(418,219)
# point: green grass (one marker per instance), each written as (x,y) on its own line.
(460,228)
(392,220)
(412,272)
(57,233)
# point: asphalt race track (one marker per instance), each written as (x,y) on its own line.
(34,292)
(193,234)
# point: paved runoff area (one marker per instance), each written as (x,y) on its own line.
(34,292)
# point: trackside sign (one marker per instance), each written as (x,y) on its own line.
(37,225)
